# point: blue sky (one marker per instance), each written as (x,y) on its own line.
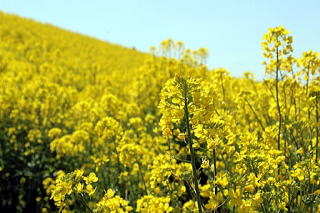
(231,29)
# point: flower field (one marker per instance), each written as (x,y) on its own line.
(89,126)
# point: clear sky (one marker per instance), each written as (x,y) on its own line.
(231,29)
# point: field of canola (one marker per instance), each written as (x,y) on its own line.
(88,126)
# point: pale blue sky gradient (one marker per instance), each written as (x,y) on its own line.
(231,29)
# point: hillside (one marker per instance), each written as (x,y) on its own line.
(89,126)
(45,47)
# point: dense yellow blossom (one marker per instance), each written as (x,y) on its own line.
(111,203)
(150,203)
(88,126)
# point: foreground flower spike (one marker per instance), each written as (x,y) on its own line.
(74,184)
(178,94)
(277,46)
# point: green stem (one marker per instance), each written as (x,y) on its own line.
(85,203)
(193,155)
(308,75)
(141,177)
(255,114)
(317,129)
(277,99)
(215,170)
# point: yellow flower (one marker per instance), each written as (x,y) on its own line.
(205,163)
(78,173)
(222,180)
(317,192)
(22,180)
(79,187)
(90,190)
(110,193)
(249,188)
(91,178)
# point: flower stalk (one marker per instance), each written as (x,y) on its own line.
(189,140)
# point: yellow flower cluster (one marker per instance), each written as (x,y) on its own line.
(150,203)
(72,184)
(111,203)
(276,45)
(162,132)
